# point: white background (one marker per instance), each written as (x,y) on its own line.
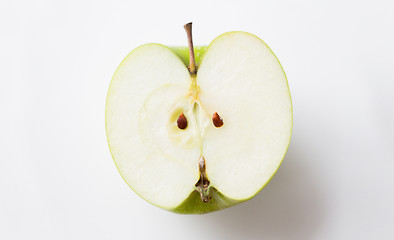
(57,179)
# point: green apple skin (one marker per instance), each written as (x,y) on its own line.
(193,204)
(183,53)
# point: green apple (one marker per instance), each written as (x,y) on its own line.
(204,137)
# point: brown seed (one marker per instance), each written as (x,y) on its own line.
(182,121)
(217,120)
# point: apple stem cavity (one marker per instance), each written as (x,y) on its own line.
(192,61)
(202,185)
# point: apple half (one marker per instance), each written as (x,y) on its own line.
(235,102)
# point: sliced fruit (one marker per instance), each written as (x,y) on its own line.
(197,142)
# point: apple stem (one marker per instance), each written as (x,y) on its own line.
(192,61)
(202,185)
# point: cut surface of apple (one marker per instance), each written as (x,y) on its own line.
(241,81)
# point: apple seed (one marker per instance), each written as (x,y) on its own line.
(217,120)
(182,121)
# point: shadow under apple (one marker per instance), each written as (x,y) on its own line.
(289,207)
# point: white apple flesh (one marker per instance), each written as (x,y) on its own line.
(239,78)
